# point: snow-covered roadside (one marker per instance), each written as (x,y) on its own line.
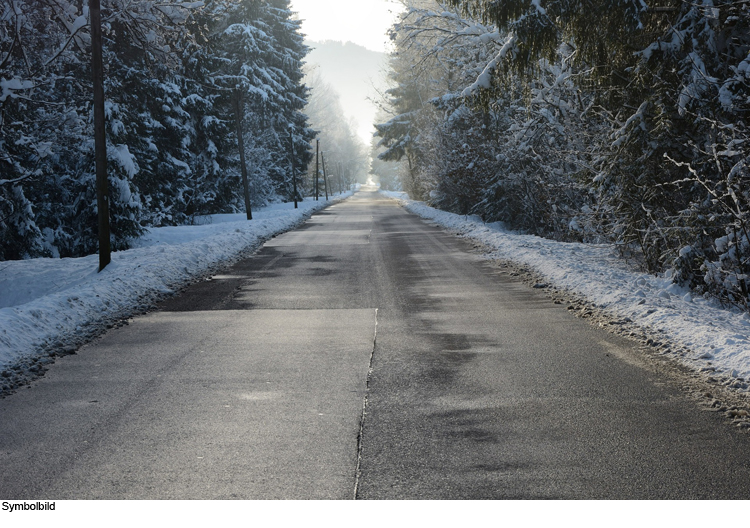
(717,339)
(50,306)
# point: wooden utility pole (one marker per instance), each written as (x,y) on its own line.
(317,168)
(341,177)
(325,178)
(291,159)
(241,145)
(100,138)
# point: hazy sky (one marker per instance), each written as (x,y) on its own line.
(363,22)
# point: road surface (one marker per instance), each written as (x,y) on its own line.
(367,354)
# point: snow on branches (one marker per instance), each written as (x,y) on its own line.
(172,153)
(614,121)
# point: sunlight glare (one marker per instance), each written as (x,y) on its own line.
(364,22)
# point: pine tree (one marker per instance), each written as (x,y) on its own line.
(258,54)
(171,73)
(284,68)
(46,96)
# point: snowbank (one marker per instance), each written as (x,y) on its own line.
(46,304)
(60,302)
(717,338)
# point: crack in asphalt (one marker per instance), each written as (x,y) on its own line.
(358,470)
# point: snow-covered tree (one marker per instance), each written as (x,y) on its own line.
(503,154)
(261,52)
(620,119)
(46,112)
(345,153)
(171,71)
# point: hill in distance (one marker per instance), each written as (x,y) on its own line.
(356,73)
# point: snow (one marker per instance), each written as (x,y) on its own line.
(45,300)
(718,339)
(10,86)
(79,22)
(121,154)
(484,81)
(537,4)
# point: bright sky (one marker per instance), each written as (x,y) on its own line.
(363,22)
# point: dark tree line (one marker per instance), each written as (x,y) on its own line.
(619,120)
(174,73)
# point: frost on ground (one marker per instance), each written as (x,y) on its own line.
(694,330)
(50,307)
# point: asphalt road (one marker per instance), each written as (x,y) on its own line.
(253,385)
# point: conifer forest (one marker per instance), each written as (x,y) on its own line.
(615,121)
(176,72)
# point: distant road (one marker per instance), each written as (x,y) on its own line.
(253,385)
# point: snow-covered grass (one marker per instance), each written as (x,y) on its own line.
(716,338)
(58,302)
